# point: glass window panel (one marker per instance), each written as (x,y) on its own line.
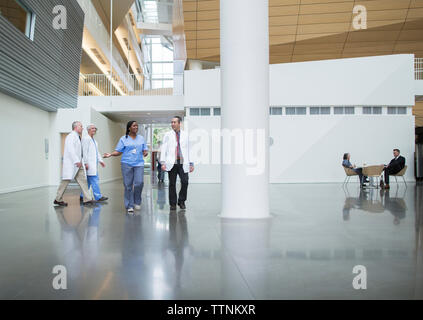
(157,68)
(18,15)
(157,84)
(377,110)
(217,111)
(276,111)
(167,68)
(205,111)
(402,110)
(290,110)
(194,111)
(325,110)
(367,110)
(301,110)
(339,110)
(349,110)
(167,83)
(392,110)
(314,110)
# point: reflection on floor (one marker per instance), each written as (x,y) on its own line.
(307,250)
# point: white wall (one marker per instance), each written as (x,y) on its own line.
(202,88)
(380,80)
(132,103)
(107,137)
(23,130)
(309,149)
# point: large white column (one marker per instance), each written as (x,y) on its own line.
(244,51)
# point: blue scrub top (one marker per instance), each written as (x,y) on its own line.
(132,150)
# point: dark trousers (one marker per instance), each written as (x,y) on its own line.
(389,171)
(177,170)
(359,171)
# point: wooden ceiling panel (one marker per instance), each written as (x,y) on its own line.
(378,5)
(205,5)
(277,3)
(283,20)
(208,15)
(323,28)
(305,30)
(284,11)
(325,18)
(416,4)
(327,7)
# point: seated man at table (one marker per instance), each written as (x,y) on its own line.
(395,166)
(347,164)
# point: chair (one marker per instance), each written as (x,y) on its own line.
(374,172)
(350,173)
(401,174)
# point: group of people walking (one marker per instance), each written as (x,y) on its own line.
(394,167)
(82,157)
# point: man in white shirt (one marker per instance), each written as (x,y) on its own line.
(92,158)
(73,166)
(176,160)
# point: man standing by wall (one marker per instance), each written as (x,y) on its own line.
(176,160)
(92,158)
(73,166)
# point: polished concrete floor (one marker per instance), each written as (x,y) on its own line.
(307,250)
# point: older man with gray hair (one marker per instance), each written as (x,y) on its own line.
(73,166)
(92,159)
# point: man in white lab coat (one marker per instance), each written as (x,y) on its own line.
(73,166)
(176,160)
(92,159)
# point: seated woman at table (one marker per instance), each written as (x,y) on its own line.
(347,164)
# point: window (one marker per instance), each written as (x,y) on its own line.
(217,111)
(372,110)
(319,110)
(349,110)
(344,110)
(274,111)
(205,111)
(296,111)
(199,111)
(397,110)
(19,15)
(194,111)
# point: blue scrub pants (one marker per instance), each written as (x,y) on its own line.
(94,182)
(133,181)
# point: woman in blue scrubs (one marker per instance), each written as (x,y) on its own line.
(132,147)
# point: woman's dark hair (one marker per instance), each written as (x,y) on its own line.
(346,156)
(128,128)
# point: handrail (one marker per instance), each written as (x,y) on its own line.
(130,85)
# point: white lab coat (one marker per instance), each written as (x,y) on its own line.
(168,150)
(71,156)
(91,152)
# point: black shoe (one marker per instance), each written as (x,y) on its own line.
(102,199)
(90,203)
(182,205)
(60,203)
(172,208)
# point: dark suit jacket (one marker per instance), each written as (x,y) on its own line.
(396,166)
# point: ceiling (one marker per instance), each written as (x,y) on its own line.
(144,117)
(305,30)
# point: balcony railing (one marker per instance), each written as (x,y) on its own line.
(131,85)
(418,68)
